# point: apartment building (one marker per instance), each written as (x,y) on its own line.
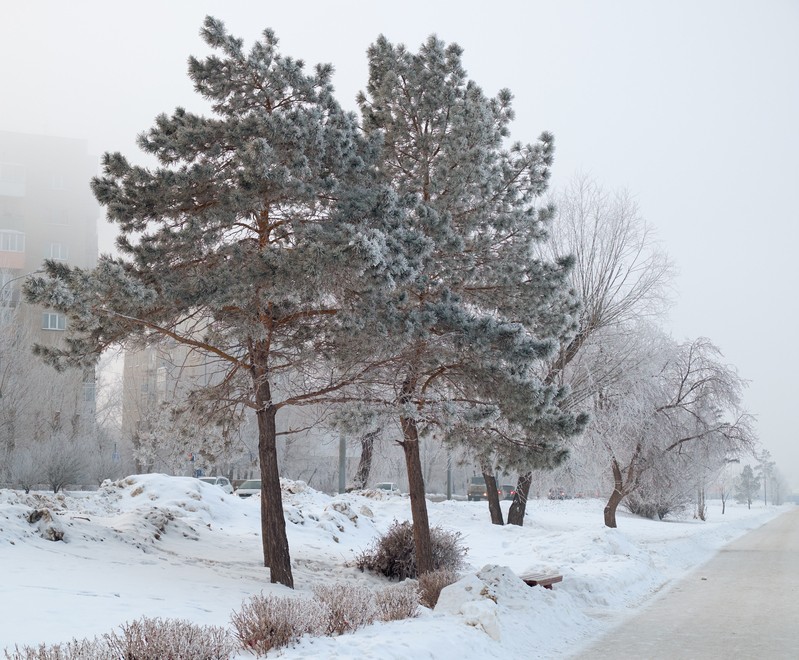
(47,211)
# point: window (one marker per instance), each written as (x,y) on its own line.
(12,180)
(12,241)
(53,321)
(58,215)
(58,252)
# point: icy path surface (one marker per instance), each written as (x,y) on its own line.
(740,604)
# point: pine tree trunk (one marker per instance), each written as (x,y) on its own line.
(365,462)
(421,524)
(615,497)
(273,524)
(493,497)
(519,504)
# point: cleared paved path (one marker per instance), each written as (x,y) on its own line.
(742,604)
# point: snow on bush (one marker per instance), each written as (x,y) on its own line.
(397,601)
(143,639)
(270,622)
(431,584)
(394,555)
(350,606)
(74,650)
(156,639)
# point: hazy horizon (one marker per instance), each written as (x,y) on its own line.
(692,107)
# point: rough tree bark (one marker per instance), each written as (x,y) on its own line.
(421,524)
(365,462)
(615,497)
(493,497)
(623,484)
(519,504)
(274,539)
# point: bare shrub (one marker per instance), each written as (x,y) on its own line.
(351,606)
(653,503)
(74,650)
(144,639)
(155,639)
(394,555)
(62,464)
(431,584)
(397,601)
(269,622)
(24,469)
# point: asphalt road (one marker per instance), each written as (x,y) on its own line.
(742,604)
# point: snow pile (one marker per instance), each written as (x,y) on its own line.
(77,565)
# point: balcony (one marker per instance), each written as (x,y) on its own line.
(12,249)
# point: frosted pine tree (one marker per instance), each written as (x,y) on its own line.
(241,244)
(747,486)
(462,337)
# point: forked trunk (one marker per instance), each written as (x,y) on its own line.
(273,524)
(493,497)
(519,504)
(421,525)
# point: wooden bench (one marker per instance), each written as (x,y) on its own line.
(545,580)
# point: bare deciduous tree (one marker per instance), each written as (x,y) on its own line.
(673,419)
(620,274)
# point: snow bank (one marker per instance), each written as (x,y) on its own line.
(80,564)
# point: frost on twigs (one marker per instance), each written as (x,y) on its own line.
(143,639)
(398,601)
(148,639)
(394,555)
(431,584)
(269,622)
(351,606)
(74,650)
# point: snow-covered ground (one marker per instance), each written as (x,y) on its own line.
(159,546)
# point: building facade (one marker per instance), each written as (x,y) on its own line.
(47,211)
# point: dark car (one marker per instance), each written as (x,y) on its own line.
(507,492)
(558,493)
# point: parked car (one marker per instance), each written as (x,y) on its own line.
(558,493)
(507,492)
(389,486)
(249,488)
(222,482)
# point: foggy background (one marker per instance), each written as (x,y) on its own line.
(691,106)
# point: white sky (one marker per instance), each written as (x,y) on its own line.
(692,105)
